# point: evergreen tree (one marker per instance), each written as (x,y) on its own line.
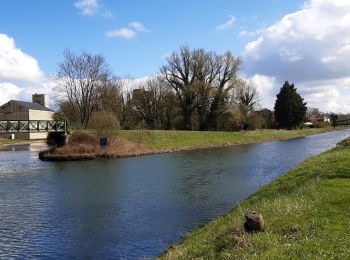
(334,120)
(290,108)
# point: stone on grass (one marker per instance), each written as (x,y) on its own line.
(254,222)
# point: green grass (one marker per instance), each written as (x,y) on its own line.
(307,213)
(12,141)
(159,139)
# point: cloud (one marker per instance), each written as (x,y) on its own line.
(137,26)
(87,7)
(92,8)
(251,34)
(122,33)
(266,88)
(20,74)
(128,33)
(308,46)
(228,24)
(15,64)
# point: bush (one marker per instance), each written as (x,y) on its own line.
(56,139)
(104,124)
(322,124)
(82,138)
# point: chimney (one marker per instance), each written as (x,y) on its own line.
(41,99)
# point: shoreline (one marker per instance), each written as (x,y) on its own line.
(25,142)
(48,155)
(296,209)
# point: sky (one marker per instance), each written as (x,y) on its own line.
(306,42)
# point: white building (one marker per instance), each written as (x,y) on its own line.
(21,110)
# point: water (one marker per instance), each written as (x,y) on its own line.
(132,207)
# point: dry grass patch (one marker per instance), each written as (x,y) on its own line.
(83,145)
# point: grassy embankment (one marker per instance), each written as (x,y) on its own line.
(5,141)
(140,142)
(306,212)
(178,140)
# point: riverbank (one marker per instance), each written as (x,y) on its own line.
(5,142)
(142,142)
(306,212)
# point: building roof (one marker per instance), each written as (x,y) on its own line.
(33,106)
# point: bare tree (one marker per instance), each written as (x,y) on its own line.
(246,100)
(149,102)
(79,78)
(201,81)
(225,84)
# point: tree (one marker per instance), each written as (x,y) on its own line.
(290,108)
(334,119)
(246,99)
(79,78)
(202,82)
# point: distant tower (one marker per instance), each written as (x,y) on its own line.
(41,99)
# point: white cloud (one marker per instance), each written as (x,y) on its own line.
(122,33)
(15,64)
(20,74)
(266,89)
(128,33)
(307,47)
(92,8)
(87,7)
(246,33)
(137,26)
(228,24)
(8,91)
(24,92)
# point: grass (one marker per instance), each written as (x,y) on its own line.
(174,140)
(4,141)
(306,212)
(85,146)
(140,142)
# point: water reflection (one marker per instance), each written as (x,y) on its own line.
(132,207)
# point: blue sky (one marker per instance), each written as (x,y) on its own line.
(304,41)
(44,28)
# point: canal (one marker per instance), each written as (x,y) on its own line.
(132,207)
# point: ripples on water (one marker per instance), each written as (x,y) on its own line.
(132,207)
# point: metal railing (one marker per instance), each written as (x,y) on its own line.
(344,122)
(32,126)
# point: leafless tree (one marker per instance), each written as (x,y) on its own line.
(246,100)
(79,78)
(201,81)
(149,102)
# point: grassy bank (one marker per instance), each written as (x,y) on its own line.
(4,141)
(174,140)
(306,212)
(141,142)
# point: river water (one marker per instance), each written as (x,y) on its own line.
(132,207)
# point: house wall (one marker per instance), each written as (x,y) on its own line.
(13,111)
(40,115)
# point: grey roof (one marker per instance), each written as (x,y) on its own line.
(31,105)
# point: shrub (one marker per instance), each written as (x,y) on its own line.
(104,124)
(322,124)
(56,139)
(82,138)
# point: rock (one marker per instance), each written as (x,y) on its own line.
(254,222)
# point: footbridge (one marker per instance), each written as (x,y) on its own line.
(32,126)
(343,122)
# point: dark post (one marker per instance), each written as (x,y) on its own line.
(103,142)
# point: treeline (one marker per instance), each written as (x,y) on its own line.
(194,90)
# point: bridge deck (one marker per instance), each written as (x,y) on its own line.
(32,126)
